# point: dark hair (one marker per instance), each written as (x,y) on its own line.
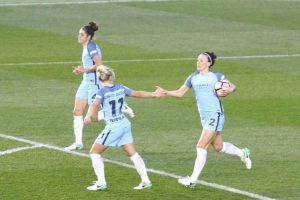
(211,56)
(90,29)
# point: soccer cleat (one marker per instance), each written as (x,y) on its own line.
(187,182)
(97,186)
(74,147)
(128,111)
(246,158)
(142,186)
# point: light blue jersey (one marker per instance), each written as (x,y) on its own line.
(209,106)
(90,83)
(117,131)
(204,87)
(89,51)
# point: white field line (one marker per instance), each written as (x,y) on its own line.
(9,151)
(160,172)
(153,60)
(76,2)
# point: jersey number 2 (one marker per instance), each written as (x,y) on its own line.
(212,122)
(113,106)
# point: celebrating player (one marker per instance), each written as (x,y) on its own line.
(117,131)
(91,58)
(211,112)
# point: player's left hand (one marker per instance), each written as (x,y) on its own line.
(225,91)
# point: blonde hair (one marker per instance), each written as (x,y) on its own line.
(104,73)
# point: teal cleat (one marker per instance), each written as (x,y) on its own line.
(187,182)
(142,186)
(74,147)
(97,186)
(246,158)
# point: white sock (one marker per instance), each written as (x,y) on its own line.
(199,163)
(229,148)
(140,167)
(78,126)
(100,115)
(98,166)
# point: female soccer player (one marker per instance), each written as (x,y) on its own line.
(211,113)
(91,58)
(117,131)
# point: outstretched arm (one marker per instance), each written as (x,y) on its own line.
(143,94)
(176,93)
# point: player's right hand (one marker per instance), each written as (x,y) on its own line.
(76,71)
(87,120)
(159,92)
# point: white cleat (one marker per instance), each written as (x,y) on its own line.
(97,186)
(187,182)
(142,186)
(246,158)
(74,147)
(128,111)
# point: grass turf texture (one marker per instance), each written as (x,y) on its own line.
(37,101)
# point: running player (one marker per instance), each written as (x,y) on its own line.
(211,113)
(117,131)
(91,58)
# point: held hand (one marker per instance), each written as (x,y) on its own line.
(225,91)
(158,88)
(87,120)
(222,93)
(159,92)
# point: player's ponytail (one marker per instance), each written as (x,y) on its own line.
(211,56)
(104,73)
(91,28)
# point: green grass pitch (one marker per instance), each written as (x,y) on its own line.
(264,114)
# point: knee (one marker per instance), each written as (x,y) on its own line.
(93,151)
(218,147)
(202,145)
(133,156)
(130,154)
(77,112)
